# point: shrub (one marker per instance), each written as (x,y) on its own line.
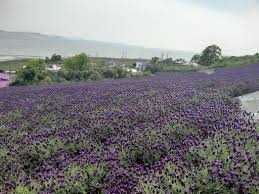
(34,72)
(83,180)
(178,131)
(154,68)
(77,63)
(173,180)
(146,148)
(108,73)
(33,155)
(239,90)
(94,75)
(116,73)
(23,190)
(102,134)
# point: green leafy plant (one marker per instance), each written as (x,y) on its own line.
(33,155)
(146,148)
(83,179)
(23,190)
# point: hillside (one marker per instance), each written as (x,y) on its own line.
(36,44)
(168,133)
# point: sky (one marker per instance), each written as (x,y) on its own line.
(188,25)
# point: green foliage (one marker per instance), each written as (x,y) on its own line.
(83,179)
(239,90)
(155,60)
(172,180)
(179,131)
(210,55)
(169,65)
(32,156)
(115,73)
(154,68)
(79,68)
(34,72)
(23,190)
(196,58)
(234,61)
(146,148)
(53,59)
(94,75)
(102,134)
(79,62)
(13,65)
(120,72)
(3,163)
(214,149)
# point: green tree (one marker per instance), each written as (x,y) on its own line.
(196,58)
(168,61)
(55,58)
(210,55)
(79,62)
(155,60)
(33,72)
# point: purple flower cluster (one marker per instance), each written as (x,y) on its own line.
(133,127)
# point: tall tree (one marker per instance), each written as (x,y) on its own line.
(210,55)
(155,60)
(79,62)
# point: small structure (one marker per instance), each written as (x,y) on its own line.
(194,64)
(132,71)
(141,66)
(180,61)
(54,68)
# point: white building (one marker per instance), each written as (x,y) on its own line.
(141,66)
(54,67)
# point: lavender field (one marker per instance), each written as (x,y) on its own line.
(168,133)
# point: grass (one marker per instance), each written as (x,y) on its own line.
(234,61)
(13,65)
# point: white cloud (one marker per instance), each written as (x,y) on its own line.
(152,23)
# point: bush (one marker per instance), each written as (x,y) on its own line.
(83,180)
(239,90)
(116,73)
(23,190)
(154,68)
(178,132)
(77,63)
(108,73)
(146,148)
(235,61)
(173,180)
(33,156)
(94,75)
(102,134)
(34,72)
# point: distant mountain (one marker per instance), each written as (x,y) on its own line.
(36,44)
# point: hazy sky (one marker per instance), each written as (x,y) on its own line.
(174,24)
